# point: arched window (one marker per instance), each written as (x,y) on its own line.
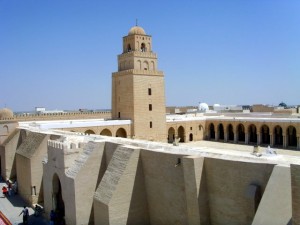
(146,65)
(143,47)
(128,48)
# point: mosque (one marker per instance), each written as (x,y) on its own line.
(133,165)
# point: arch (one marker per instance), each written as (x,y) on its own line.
(181,133)
(58,204)
(212,134)
(291,136)
(6,129)
(278,137)
(89,132)
(241,132)
(191,138)
(221,131)
(230,132)
(146,65)
(252,134)
(201,132)
(171,135)
(143,47)
(265,134)
(106,132)
(152,65)
(121,132)
(139,62)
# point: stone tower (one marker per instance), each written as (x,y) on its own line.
(138,91)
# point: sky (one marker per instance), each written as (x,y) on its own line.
(60,54)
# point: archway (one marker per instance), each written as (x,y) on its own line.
(252,134)
(106,132)
(278,137)
(191,137)
(89,132)
(291,136)
(181,133)
(58,204)
(241,133)
(265,135)
(121,132)
(171,135)
(230,133)
(212,131)
(221,132)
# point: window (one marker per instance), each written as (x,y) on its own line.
(150,124)
(149,91)
(119,114)
(150,107)
(191,128)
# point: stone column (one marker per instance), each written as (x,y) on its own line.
(271,140)
(258,138)
(246,138)
(284,141)
(298,142)
(225,136)
(235,137)
(216,135)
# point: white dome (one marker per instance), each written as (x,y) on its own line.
(203,107)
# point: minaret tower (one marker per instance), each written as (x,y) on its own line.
(138,91)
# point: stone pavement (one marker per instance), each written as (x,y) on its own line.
(12,206)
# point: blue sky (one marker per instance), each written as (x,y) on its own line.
(60,54)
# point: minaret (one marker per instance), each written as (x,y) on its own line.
(138,91)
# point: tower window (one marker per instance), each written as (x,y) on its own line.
(149,91)
(150,124)
(143,47)
(128,48)
(150,107)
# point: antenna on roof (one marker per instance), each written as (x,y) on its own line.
(136,22)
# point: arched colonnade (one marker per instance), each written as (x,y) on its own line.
(275,135)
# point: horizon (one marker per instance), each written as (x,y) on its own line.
(62,54)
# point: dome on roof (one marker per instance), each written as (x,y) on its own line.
(136,30)
(6,113)
(203,107)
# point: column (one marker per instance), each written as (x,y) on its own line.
(258,138)
(284,141)
(246,138)
(298,143)
(271,140)
(225,137)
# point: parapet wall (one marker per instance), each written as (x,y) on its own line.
(61,116)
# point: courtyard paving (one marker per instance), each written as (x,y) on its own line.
(12,206)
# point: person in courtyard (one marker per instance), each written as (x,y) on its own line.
(4,191)
(25,213)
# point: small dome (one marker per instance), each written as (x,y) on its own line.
(6,113)
(136,30)
(203,107)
